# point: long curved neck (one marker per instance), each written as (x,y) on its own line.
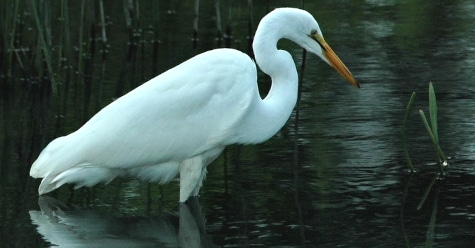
(269,115)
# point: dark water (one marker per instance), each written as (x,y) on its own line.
(336,177)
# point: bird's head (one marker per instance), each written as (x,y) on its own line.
(305,31)
(320,47)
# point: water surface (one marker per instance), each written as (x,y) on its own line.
(336,177)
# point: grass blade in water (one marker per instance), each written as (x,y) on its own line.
(433,113)
(426,125)
(434,126)
(426,193)
(430,236)
(404,128)
(401,213)
(440,155)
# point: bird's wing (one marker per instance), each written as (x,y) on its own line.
(183,112)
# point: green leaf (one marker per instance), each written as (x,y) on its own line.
(433,113)
(426,125)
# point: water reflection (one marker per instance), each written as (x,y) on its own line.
(65,227)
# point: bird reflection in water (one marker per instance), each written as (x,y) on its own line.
(65,227)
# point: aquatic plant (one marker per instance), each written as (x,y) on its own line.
(432,130)
(441,159)
(404,128)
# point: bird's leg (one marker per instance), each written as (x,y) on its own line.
(197,188)
(191,171)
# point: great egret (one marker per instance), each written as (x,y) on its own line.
(181,120)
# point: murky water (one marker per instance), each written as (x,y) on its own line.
(337,177)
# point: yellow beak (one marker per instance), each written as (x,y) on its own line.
(334,61)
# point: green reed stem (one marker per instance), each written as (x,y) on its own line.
(440,154)
(81,39)
(433,112)
(426,193)
(426,125)
(156,37)
(103,23)
(432,129)
(404,129)
(402,215)
(67,34)
(10,33)
(430,236)
(433,118)
(45,47)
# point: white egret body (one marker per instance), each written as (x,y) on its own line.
(180,121)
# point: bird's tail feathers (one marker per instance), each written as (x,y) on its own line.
(81,175)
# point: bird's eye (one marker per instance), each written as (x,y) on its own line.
(313,32)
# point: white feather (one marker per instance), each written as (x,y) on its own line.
(181,120)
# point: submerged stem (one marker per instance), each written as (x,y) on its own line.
(426,193)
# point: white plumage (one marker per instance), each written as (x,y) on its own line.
(180,121)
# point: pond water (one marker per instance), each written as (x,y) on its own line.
(336,176)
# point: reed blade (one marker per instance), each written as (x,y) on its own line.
(426,193)
(433,112)
(426,125)
(404,129)
(430,236)
(401,213)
